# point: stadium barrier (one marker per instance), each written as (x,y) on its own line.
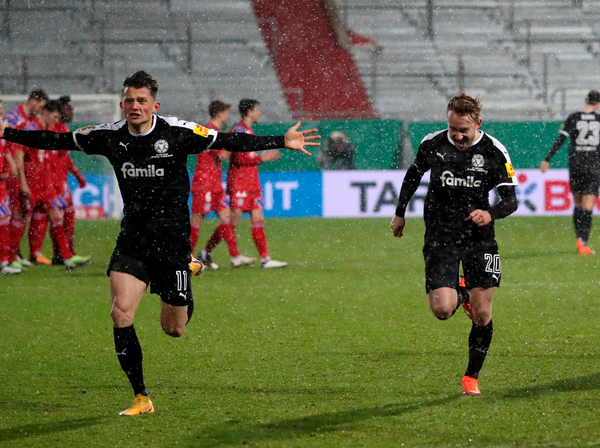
(345,194)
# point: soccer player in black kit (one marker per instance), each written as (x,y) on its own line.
(465,165)
(583,128)
(149,154)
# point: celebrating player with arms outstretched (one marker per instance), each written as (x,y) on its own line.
(149,154)
(465,165)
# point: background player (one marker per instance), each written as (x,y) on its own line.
(208,194)
(7,167)
(583,128)
(63,164)
(37,186)
(243,184)
(149,156)
(465,165)
(17,118)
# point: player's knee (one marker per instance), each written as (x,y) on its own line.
(120,317)
(481,317)
(442,313)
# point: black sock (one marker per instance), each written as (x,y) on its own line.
(129,353)
(479,343)
(586,225)
(577,221)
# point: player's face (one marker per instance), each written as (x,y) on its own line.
(36,107)
(463,130)
(1,110)
(254,113)
(50,118)
(223,117)
(138,106)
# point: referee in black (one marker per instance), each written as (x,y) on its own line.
(149,154)
(583,128)
(466,164)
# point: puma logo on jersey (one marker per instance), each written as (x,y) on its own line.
(441,155)
(129,170)
(124,145)
(449,180)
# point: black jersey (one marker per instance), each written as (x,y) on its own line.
(151,168)
(460,183)
(583,128)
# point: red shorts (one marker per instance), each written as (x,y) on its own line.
(204,201)
(47,199)
(247,200)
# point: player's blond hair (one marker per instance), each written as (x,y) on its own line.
(464,104)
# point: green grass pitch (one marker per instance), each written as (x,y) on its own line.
(337,350)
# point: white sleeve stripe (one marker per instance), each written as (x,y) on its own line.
(563,132)
(432,135)
(513,182)
(501,148)
(214,137)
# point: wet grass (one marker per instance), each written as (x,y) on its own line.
(339,349)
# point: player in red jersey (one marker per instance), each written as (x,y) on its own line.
(243,183)
(7,167)
(208,194)
(17,118)
(36,185)
(60,164)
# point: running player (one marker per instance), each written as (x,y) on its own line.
(149,156)
(17,118)
(37,186)
(465,165)
(243,183)
(583,128)
(208,194)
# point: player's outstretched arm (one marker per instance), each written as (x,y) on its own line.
(2,127)
(295,140)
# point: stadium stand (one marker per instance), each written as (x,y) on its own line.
(528,59)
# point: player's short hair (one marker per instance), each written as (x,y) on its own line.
(52,106)
(139,80)
(64,100)
(593,97)
(246,105)
(464,104)
(38,95)
(217,106)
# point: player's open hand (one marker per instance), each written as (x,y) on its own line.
(397,226)
(480,217)
(544,166)
(298,140)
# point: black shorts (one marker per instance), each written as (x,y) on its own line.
(161,263)
(584,180)
(480,262)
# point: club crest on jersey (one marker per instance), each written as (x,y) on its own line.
(450,180)
(130,170)
(477,164)
(161,147)
(201,130)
